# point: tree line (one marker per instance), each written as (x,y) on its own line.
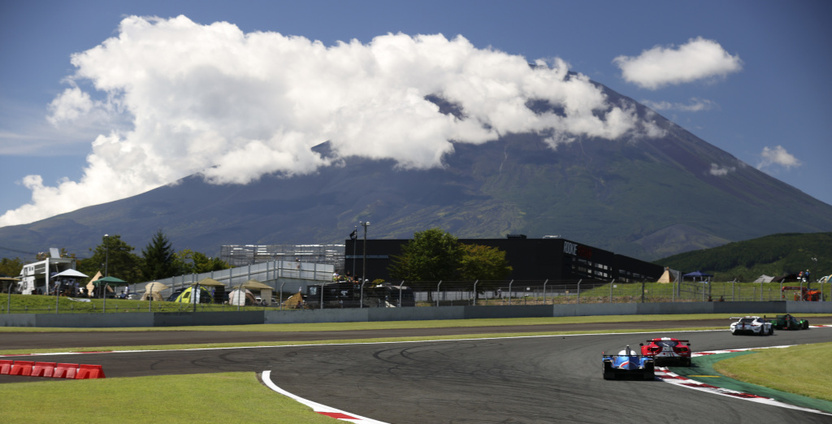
(113,256)
(435,255)
(431,255)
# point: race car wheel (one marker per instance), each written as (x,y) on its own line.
(609,374)
(649,372)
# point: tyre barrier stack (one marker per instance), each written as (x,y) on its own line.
(50,369)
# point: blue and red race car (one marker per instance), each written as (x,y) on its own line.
(628,364)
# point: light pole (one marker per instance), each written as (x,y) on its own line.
(364,224)
(106,254)
(106,263)
(354,242)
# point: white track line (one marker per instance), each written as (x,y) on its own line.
(317,407)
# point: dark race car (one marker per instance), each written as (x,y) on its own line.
(788,322)
(628,364)
(667,351)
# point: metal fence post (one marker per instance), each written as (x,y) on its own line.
(474,303)
(509,291)
(400,293)
(544,291)
(673,291)
(437,292)
(361,296)
(611,284)
(642,292)
(281,294)
(579,290)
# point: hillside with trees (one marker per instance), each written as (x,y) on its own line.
(774,255)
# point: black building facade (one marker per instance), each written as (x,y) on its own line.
(531,259)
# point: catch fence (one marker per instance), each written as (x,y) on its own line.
(439,293)
(537,292)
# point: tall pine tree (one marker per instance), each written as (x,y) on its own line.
(158,260)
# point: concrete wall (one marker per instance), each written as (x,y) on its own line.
(173,319)
(269,316)
(415,314)
(793,307)
(315,315)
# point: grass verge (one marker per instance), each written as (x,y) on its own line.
(203,398)
(801,370)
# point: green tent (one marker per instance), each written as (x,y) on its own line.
(110,281)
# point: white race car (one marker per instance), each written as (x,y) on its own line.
(753,325)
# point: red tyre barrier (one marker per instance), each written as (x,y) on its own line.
(50,369)
(65,371)
(5,366)
(43,369)
(89,371)
(22,368)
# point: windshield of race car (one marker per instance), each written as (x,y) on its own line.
(666,343)
(747,320)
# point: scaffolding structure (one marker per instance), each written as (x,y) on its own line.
(249,254)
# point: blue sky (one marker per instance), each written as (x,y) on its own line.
(84,120)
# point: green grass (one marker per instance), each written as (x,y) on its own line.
(32,304)
(202,398)
(803,369)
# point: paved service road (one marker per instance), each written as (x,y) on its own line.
(528,380)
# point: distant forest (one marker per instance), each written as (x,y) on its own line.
(775,255)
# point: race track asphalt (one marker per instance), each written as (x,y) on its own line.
(511,380)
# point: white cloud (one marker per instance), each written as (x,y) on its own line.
(777,156)
(721,171)
(181,98)
(695,105)
(660,66)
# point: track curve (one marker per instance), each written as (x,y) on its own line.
(531,380)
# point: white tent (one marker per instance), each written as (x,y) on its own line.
(71,273)
(154,291)
(91,284)
(240,297)
(764,279)
(666,277)
(265,290)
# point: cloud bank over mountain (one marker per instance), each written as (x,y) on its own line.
(183,98)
